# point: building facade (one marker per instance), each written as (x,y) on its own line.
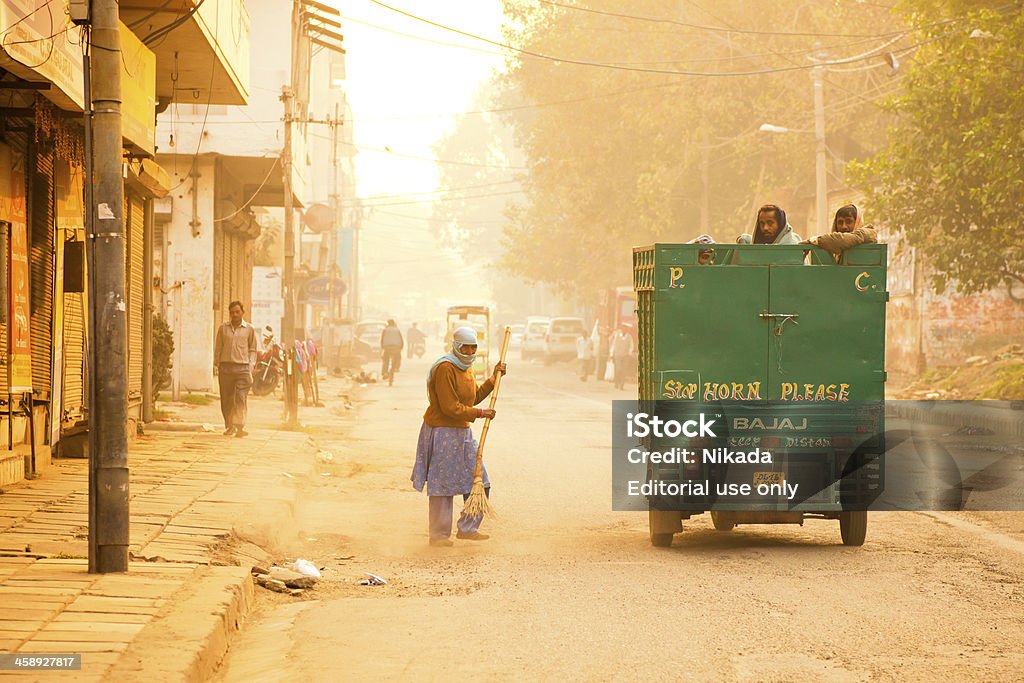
(44,370)
(225,165)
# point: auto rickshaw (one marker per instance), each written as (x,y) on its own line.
(479,318)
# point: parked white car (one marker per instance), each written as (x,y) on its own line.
(515,339)
(533,337)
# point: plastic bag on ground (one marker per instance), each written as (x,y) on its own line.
(306,568)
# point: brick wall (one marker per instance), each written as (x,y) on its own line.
(925,329)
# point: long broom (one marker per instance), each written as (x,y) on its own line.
(477,504)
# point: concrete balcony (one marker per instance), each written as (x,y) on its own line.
(204,59)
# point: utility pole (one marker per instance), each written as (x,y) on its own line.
(332,306)
(705,180)
(291,389)
(354,305)
(108,459)
(821,190)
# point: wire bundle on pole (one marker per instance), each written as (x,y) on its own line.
(477,505)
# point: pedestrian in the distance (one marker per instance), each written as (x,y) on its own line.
(602,345)
(622,354)
(446,449)
(415,340)
(585,356)
(391,344)
(234,357)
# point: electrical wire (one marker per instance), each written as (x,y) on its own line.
(46,4)
(803,51)
(414,194)
(602,65)
(431,219)
(142,20)
(252,198)
(202,129)
(733,29)
(49,54)
(422,38)
(430,159)
(164,30)
(437,199)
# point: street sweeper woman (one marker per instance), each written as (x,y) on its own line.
(446,451)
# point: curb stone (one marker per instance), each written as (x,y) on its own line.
(1005,422)
(202,618)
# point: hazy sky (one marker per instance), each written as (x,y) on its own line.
(397,85)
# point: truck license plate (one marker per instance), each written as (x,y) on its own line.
(769,478)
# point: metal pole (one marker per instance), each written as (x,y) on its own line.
(821,191)
(108,537)
(354,307)
(90,267)
(147,315)
(336,206)
(291,390)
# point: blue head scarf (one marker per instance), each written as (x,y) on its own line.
(463,336)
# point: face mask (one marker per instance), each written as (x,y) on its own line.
(464,357)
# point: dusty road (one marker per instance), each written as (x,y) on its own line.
(566,588)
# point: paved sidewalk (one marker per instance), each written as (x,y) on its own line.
(187,492)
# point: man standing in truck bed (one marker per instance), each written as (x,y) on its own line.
(771,227)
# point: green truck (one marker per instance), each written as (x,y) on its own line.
(786,345)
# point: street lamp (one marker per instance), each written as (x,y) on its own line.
(821,184)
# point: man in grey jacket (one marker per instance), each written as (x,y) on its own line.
(234,356)
(771,228)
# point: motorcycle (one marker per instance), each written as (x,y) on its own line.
(269,369)
(417,348)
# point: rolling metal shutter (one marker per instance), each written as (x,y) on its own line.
(41,264)
(74,353)
(135,220)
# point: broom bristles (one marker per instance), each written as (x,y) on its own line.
(478,505)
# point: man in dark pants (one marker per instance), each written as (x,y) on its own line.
(391,344)
(234,357)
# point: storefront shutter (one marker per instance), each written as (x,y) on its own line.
(74,353)
(41,263)
(135,294)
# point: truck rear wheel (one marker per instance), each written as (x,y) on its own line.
(721,522)
(853,527)
(663,525)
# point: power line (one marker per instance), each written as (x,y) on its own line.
(430,159)
(733,29)
(429,219)
(422,38)
(164,30)
(436,199)
(45,5)
(249,201)
(602,65)
(414,194)
(202,129)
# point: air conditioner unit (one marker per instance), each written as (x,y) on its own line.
(78,11)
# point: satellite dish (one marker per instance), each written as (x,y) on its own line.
(318,218)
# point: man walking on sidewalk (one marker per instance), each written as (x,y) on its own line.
(391,344)
(234,355)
